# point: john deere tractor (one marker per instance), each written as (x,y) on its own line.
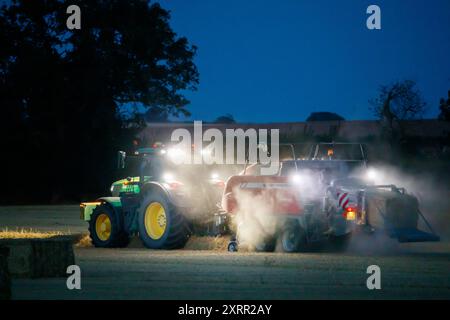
(162,204)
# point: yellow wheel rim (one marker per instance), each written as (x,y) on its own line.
(103,227)
(155,220)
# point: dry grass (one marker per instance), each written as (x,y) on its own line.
(27,234)
(84,242)
(194,243)
(207,243)
(80,240)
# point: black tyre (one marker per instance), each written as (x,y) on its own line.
(161,225)
(232,246)
(292,237)
(105,230)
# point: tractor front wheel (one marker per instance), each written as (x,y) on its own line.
(161,225)
(104,229)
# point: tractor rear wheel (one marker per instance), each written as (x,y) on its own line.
(161,225)
(104,229)
(292,237)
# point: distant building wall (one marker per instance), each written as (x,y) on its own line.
(349,130)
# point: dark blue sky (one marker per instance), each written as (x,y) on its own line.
(267,61)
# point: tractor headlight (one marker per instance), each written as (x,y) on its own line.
(112,188)
(176,155)
(371,174)
(296,178)
(168,177)
(206,152)
(174,152)
(303,178)
(214,176)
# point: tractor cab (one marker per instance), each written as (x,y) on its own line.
(197,187)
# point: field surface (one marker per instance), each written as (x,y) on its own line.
(408,271)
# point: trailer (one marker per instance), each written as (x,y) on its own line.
(327,196)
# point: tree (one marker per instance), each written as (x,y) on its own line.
(399,101)
(396,102)
(156,114)
(61,90)
(227,118)
(444,107)
(324,116)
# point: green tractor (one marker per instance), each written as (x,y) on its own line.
(163,204)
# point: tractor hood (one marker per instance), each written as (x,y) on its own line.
(125,185)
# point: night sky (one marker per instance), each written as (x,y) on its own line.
(267,61)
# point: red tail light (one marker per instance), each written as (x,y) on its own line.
(350,213)
(175,184)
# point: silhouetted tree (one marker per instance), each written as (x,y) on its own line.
(156,115)
(227,118)
(444,107)
(400,101)
(60,90)
(396,102)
